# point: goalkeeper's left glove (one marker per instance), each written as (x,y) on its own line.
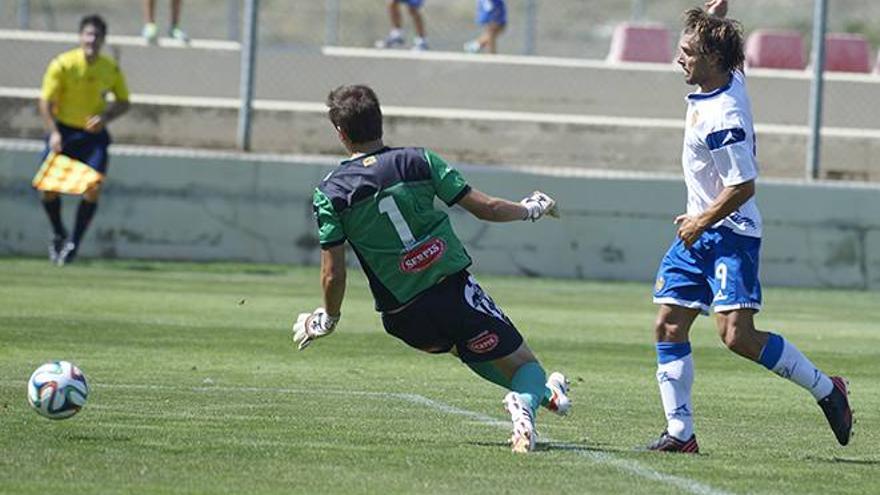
(539,204)
(310,326)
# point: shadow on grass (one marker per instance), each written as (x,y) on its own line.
(593,450)
(141,268)
(844,460)
(97,438)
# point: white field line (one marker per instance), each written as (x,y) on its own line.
(632,467)
(468,114)
(629,466)
(116,40)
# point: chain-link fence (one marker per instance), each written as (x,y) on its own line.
(291,66)
(564,28)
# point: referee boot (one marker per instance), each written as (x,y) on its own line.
(67,254)
(55,246)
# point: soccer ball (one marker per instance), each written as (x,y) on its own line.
(57,390)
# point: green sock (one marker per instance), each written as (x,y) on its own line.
(529,381)
(489,372)
(545,400)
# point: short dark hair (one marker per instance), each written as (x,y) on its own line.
(354,109)
(716,36)
(94,20)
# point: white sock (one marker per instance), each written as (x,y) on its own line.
(676,378)
(793,365)
(396,33)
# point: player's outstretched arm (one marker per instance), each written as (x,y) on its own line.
(717,8)
(322,321)
(493,209)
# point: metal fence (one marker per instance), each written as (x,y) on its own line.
(564,28)
(575,29)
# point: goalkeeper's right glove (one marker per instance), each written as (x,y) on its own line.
(310,326)
(539,204)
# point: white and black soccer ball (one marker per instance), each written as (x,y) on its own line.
(57,390)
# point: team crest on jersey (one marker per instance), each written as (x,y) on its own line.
(658,285)
(423,255)
(370,160)
(483,343)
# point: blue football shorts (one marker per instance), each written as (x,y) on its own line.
(720,269)
(458,313)
(412,3)
(87,147)
(491,11)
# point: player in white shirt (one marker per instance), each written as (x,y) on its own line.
(714,259)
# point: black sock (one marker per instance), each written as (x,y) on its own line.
(53,211)
(84,215)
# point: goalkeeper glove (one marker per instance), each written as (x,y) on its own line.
(539,204)
(310,326)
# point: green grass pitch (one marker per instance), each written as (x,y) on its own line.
(196,388)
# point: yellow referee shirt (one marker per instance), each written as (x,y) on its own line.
(78,89)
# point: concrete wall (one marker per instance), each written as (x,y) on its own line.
(225,206)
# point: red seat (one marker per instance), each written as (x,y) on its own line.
(775,50)
(847,53)
(640,43)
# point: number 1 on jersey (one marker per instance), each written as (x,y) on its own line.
(389,206)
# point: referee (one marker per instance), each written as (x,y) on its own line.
(75,113)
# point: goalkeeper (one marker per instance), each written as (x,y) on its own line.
(381,201)
(76,114)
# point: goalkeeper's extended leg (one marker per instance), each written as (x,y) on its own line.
(528,388)
(555,398)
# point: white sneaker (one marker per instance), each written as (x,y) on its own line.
(559,402)
(420,45)
(178,34)
(150,33)
(522,440)
(391,41)
(472,47)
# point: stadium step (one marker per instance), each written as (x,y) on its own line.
(772,49)
(845,52)
(640,43)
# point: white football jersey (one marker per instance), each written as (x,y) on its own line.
(719,151)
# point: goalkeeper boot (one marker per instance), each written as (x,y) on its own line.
(836,408)
(559,403)
(668,443)
(522,440)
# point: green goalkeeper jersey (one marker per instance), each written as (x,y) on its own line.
(383,205)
